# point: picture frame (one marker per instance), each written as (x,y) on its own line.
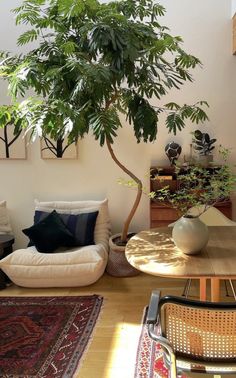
(58,149)
(12,144)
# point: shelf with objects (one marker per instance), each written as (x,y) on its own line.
(198,180)
(163,213)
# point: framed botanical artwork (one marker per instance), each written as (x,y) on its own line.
(58,149)
(12,143)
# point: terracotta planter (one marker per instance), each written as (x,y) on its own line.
(117,265)
(190,235)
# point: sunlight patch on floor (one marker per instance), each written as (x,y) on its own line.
(123,353)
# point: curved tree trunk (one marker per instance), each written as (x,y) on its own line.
(7,152)
(59,148)
(138,196)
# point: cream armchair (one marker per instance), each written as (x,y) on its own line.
(79,266)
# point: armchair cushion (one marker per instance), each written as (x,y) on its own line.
(79,266)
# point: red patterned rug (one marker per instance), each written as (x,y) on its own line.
(45,336)
(149,360)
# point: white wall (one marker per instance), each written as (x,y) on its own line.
(206,29)
(233,7)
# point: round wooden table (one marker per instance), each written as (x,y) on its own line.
(155,253)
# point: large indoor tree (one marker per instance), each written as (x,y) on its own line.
(90,62)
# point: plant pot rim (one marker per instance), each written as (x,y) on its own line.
(118,248)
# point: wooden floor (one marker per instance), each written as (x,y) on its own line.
(112,351)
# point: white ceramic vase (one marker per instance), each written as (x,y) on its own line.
(190,235)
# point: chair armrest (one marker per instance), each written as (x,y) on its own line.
(152,314)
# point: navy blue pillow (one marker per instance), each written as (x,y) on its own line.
(80,225)
(50,233)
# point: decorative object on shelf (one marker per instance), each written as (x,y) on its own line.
(198,188)
(173,151)
(161,177)
(204,145)
(12,143)
(189,159)
(58,149)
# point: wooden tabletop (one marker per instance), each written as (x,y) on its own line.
(154,252)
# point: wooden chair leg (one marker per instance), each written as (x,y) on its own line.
(203,286)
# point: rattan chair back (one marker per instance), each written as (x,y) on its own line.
(200,333)
(195,336)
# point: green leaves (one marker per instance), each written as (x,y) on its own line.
(176,118)
(69,48)
(203,143)
(99,59)
(29,36)
(71,8)
(174,122)
(110,42)
(29,12)
(186,60)
(143,117)
(105,124)
(77,8)
(140,9)
(11,115)
(5,115)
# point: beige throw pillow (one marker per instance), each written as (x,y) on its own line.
(5,226)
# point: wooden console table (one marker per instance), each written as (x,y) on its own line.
(164,214)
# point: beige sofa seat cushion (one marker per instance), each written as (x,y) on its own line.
(76,267)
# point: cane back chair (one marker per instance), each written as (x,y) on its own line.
(195,336)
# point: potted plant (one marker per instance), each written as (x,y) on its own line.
(204,145)
(94,61)
(199,188)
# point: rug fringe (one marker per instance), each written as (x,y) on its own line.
(91,337)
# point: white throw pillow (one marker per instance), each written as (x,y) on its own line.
(5,226)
